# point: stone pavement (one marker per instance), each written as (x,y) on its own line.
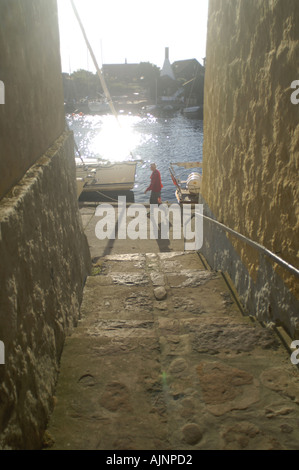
(163,359)
(105,247)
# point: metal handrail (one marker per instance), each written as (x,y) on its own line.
(256,245)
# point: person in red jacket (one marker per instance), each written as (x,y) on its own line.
(155,186)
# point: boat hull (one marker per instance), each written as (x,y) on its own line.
(98,107)
(101,177)
(194,112)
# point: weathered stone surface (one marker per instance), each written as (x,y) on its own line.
(250,162)
(180,261)
(123,328)
(129,279)
(33,115)
(286,428)
(157,279)
(140,301)
(101,301)
(44,262)
(87,380)
(192,434)
(116,397)
(160,293)
(238,436)
(188,409)
(168,326)
(148,378)
(133,257)
(226,388)
(231,337)
(178,367)
(169,256)
(187,278)
(163,306)
(281,381)
(247,436)
(187,304)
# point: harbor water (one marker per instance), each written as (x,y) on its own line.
(162,140)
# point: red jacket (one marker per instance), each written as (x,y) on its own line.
(156,183)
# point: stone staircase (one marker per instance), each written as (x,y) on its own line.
(163,359)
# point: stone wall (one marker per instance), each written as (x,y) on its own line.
(251,150)
(44,261)
(43,250)
(32,117)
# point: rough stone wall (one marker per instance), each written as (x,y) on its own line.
(251,146)
(44,262)
(31,72)
(44,254)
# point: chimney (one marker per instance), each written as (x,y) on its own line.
(167,70)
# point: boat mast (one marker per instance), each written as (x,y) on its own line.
(101,77)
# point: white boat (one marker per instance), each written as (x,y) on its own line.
(98,106)
(150,108)
(94,175)
(173,102)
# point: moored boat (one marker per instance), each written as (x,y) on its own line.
(187,192)
(95,175)
(98,106)
(193,112)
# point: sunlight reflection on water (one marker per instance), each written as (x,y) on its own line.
(115,142)
(106,138)
(160,140)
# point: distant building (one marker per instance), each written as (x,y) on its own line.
(187,69)
(122,72)
(190,74)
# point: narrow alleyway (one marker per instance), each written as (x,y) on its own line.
(163,359)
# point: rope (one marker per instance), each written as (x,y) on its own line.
(101,194)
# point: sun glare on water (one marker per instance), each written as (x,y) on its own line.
(116,139)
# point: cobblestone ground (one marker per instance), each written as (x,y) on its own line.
(163,359)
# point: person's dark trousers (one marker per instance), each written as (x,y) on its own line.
(154,199)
